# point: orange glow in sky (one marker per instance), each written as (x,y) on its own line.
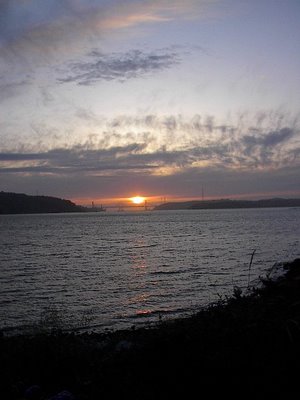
(137,199)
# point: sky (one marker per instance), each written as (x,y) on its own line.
(101,100)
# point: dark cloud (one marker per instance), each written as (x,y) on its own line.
(77,160)
(217,182)
(119,66)
(265,149)
(270,139)
(22,156)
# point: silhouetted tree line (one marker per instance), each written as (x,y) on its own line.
(17,203)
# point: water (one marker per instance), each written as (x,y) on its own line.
(124,269)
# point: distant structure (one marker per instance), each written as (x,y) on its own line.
(101,208)
(98,209)
(121,208)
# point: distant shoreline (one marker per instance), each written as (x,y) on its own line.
(19,203)
(228,204)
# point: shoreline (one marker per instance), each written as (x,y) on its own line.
(248,342)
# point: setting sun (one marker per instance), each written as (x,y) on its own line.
(137,199)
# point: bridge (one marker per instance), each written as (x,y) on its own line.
(123,207)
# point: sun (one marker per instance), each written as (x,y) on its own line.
(137,199)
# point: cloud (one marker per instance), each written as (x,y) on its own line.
(11,89)
(268,149)
(165,145)
(37,37)
(22,156)
(186,182)
(169,155)
(119,66)
(270,139)
(36,31)
(75,160)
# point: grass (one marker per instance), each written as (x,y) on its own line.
(244,345)
(250,265)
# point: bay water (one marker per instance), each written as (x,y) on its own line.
(113,270)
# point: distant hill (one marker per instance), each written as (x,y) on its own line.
(226,203)
(17,203)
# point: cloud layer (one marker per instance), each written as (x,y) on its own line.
(61,117)
(166,146)
(119,66)
(163,156)
(38,29)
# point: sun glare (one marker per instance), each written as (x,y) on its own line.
(137,199)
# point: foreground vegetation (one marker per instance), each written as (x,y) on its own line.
(246,345)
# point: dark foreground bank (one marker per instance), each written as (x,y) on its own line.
(246,345)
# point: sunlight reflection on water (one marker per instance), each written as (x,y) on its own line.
(125,268)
